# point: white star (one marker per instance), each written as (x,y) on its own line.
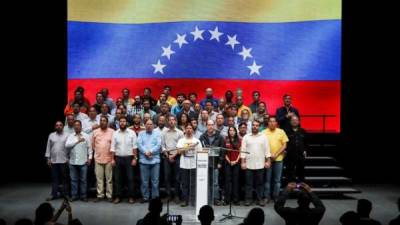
(158,67)
(215,34)
(254,68)
(180,40)
(167,52)
(197,34)
(232,41)
(245,53)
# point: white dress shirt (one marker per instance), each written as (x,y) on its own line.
(79,152)
(258,148)
(123,142)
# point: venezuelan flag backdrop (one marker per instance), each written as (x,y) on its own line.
(274,46)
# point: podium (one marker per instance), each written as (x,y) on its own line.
(205,179)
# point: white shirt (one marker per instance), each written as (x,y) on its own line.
(188,160)
(55,150)
(69,130)
(160,130)
(258,147)
(79,152)
(123,142)
(109,116)
(88,124)
(170,138)
(81,116)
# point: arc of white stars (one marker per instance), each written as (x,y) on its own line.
(158,67)
(232,41)
(254,68)
(215,34)
(197,34)
(180,40)
(167,51)
(245,53)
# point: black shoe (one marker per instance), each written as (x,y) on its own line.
(144,200)
(97,199)
(117,200)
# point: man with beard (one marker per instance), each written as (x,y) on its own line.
(101,143)
(57,158)
(169,139)
(254,163)
(124,149)
(180,97)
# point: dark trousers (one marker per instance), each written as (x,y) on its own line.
(254,177)
(295,169)
(91,178)
(231,182)
(188,180)
(123,170)
(59,177)
(171,176)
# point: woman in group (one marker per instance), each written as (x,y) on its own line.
(183,120)
(232,166)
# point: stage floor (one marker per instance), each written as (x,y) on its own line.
(20,200)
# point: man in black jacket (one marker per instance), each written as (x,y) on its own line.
(286,112)
(212,138)
(303,214)
(295,151)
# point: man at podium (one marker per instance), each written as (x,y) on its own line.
(187,148)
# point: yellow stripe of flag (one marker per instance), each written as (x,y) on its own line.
(153,11)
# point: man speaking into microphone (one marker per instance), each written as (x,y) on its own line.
(212,138)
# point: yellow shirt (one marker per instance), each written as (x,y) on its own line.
(277,139)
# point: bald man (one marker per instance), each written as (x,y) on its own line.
(209,97)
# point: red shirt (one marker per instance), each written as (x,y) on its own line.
(233,156)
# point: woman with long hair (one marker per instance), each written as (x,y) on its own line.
(232,166)
(183,120)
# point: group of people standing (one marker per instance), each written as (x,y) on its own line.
(141,141)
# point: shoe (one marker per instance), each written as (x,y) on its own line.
(144,200)
(225,203)
(109,200)
(217,202)
(247,203)
(184,204)
(236,202)
(97,199)
(131,200)
(261,203)
(116,200)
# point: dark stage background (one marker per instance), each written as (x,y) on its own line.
(37,49)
